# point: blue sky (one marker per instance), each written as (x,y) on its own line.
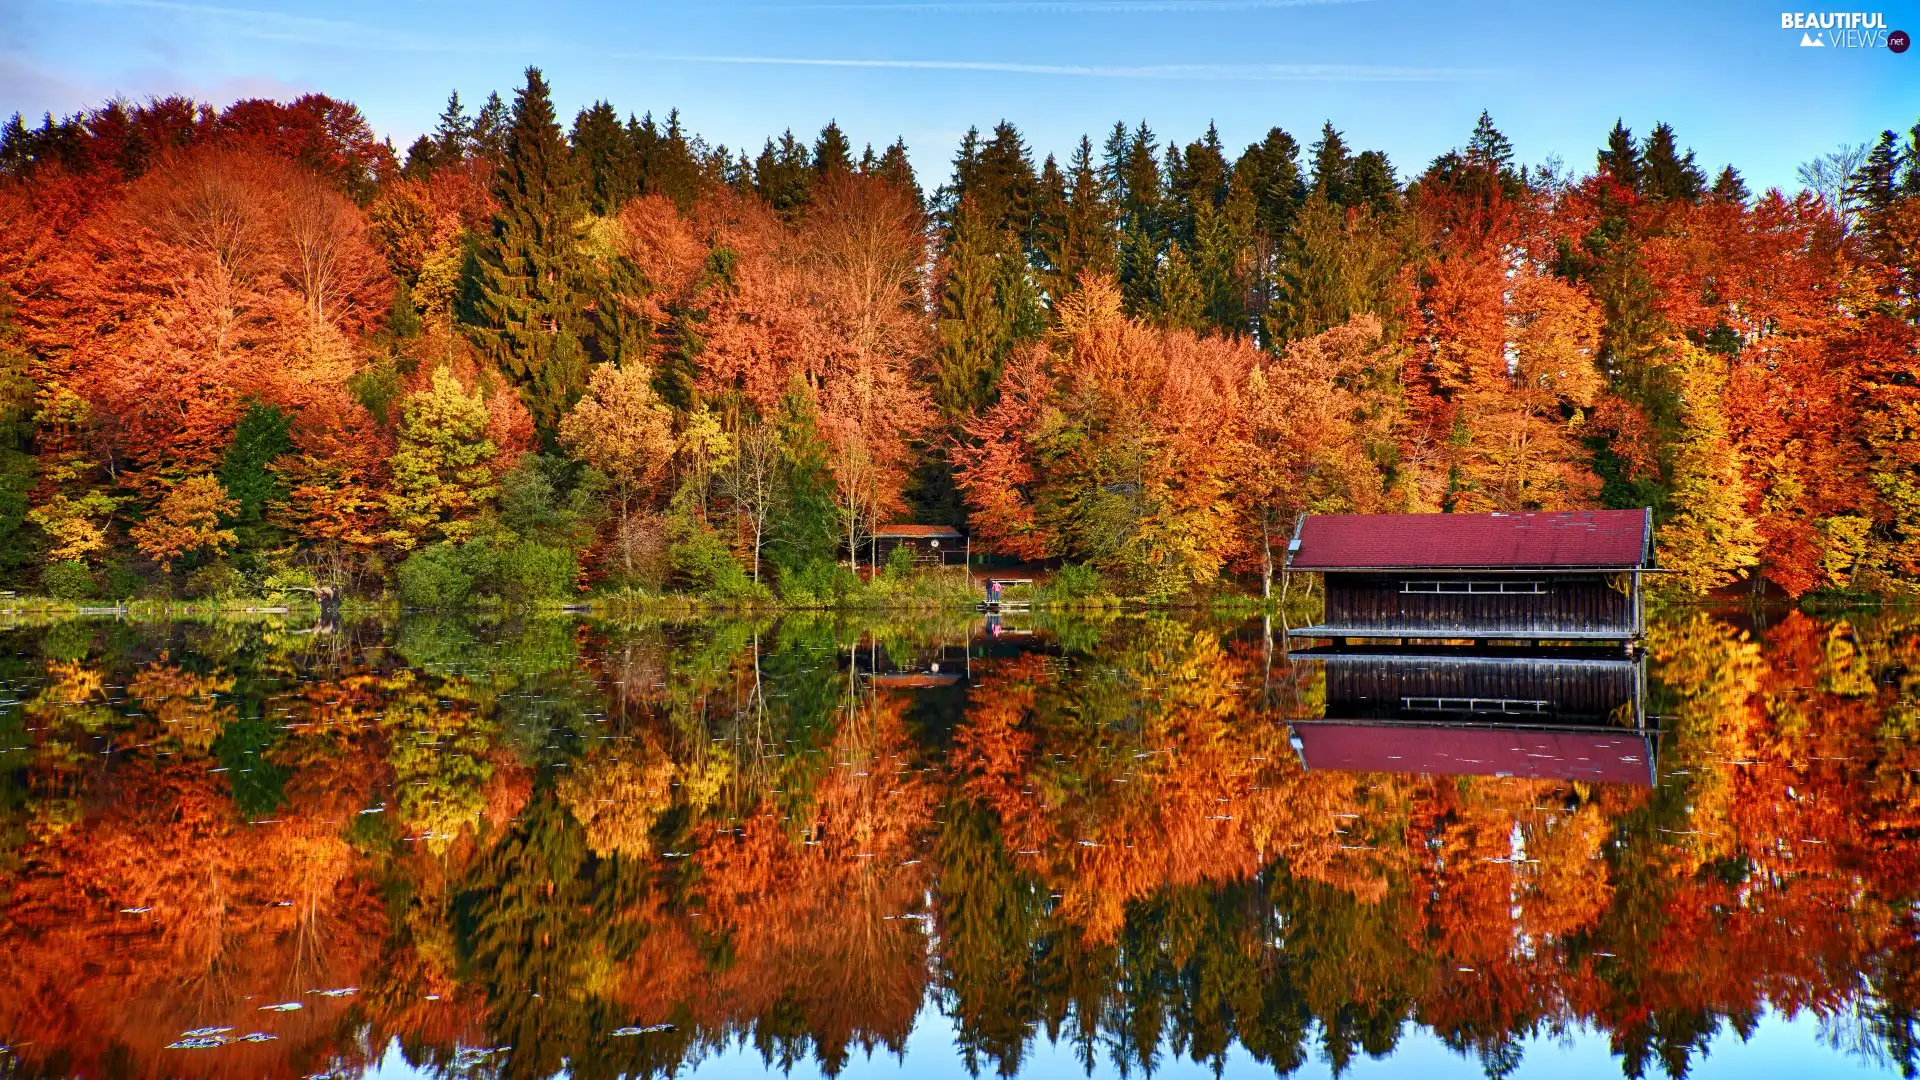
(1405,76)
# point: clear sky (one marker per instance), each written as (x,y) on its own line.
(1405,76)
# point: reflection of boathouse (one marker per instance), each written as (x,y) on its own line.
(1572,576)
(1568,715)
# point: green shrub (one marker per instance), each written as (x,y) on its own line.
(900,562)
(435,576)
(818,584)
(705,563)
(217,580)
(530,571)
(69,580)
(1075,583)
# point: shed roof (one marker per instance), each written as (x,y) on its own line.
(917,532)
(1572,539)
(1624,757)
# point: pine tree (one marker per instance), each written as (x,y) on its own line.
(1374,186)
(664,160)
(832,153)
(1488,148)
(783,175)
(527,309)
(609,165)
(894,168)
(454,133)
(1621,158)
(1269,171)
(988,306)
(1332,166)
(1666,175)
(491,129)
(1729,187)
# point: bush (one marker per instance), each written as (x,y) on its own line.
(530,571)
(69,580)
(435,576)
(215,581)
(705,562)
(818,584)
(1075,583)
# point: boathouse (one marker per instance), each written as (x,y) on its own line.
(1566,714)
(1567,576)
(930,545)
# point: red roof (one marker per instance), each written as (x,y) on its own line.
(917,532)
(1574,538)
(1444,750)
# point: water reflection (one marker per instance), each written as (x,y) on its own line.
(522,849)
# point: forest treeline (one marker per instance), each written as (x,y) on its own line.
(257,348)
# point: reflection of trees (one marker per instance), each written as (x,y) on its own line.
(725,828)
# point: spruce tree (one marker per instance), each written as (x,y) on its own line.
(783,175)
(1729,187)
(490,129)
(1621,158)
(1269,172)
(1488,148)
(988,306)
(1666,174)
(526,277)
(608,164)
(1374,186)
(832,153)
(1332,166)
(896,170)
(453,133)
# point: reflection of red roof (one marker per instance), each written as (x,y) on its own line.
(914,682)
(1577,538)
(917,532)
(1446,750)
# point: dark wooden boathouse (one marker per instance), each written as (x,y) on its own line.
(1567,714)
(1567,576)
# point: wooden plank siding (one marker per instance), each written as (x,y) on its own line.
(1582,605)
(1591,691)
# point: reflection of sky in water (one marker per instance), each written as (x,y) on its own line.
(1777,1048)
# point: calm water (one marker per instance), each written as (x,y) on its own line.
(1138,845)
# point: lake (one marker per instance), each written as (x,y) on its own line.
(819,845)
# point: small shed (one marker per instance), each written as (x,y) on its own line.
(931,545)
(1564,576)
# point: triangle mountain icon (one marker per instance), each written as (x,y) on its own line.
(1808,41)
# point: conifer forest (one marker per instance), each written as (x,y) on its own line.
(258,348)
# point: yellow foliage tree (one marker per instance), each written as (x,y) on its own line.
(187,520)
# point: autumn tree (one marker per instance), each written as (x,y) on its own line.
(443,466)
(621,428)
(186,521)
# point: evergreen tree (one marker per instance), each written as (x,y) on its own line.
(1332,166)
(1488,148)
(1875,189)
(1050,217)
(526,307)
(609,166)
(894,168)
(453,135)
(803,529)
(1729,187)
(1373,184)
(665,161)
(783,175)
(1269,172)
(1141,196)
(246,470)
(832,153)
(1199,176)
(421,155)
(1666,175)
(1621,158)
(988,306)
(491,129)
(995,181)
